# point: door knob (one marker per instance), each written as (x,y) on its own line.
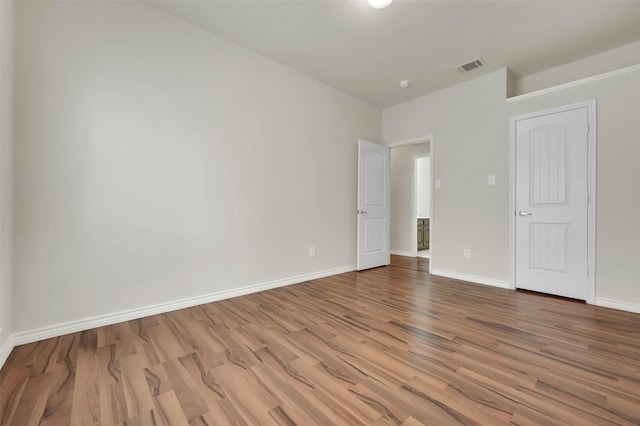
(362,212)
(523,213)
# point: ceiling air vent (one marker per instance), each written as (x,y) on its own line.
(470,66)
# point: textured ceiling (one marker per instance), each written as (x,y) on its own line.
(366,52)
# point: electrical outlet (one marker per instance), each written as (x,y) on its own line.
(492,180)
(467,253)
(312,251)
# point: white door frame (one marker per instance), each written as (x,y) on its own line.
(416,141)
(591,208)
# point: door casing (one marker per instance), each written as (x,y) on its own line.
(591,207)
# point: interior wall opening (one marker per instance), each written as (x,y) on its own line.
(411,198)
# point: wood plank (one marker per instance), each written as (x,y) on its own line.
(30,410)
(86,409)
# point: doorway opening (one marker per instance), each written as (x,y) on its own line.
(411,178)
(422,196)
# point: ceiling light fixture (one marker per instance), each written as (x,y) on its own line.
(379,4)
(404,84)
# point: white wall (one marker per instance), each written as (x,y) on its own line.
(423,183)
(470,132)
(403,184)
(156,161)
(610,60)
(618,180)
(6,168)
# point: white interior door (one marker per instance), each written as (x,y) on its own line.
(551,201)
(374,205)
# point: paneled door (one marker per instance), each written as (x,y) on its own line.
(374,205)
(551,203)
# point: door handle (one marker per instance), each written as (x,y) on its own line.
(362,212)
(523,213)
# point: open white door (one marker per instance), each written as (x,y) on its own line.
(374,205)
(551,203)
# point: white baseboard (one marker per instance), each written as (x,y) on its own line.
(6,349)
(403,253)
(616,304)
(471,278)
(131,314)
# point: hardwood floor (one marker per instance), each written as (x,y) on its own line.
(391,345)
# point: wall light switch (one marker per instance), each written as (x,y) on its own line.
(492,180)
(437,183)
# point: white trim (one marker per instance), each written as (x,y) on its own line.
(512,203)
(131,314)
(471,278)
(591,208)
(593,200)
(432,195)
(6,349)
(616,304)
(575,83)
(414,141)
(402,253)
